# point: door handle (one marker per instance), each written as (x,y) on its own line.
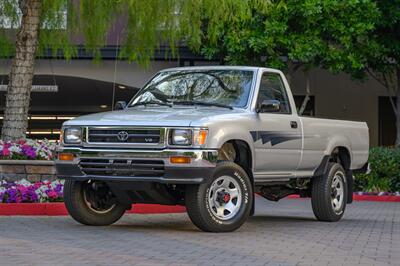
(293,124)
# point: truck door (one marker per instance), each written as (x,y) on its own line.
(278,136)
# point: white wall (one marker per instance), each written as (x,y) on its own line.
(340,97)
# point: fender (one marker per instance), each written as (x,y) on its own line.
(339,141)
(232,135)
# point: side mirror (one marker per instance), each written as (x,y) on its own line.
(120,105)
(269,106)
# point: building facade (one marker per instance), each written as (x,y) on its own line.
(80,86)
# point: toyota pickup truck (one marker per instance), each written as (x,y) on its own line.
(208,138)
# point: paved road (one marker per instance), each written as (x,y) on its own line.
(283,233)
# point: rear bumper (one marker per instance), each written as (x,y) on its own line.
(197,171)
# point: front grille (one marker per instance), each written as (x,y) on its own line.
(122,167)
(134,136)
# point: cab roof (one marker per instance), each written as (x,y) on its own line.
(248,68)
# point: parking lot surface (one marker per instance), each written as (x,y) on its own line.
(283,233)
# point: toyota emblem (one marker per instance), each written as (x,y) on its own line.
(123,135)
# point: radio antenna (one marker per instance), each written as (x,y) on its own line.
(115,74)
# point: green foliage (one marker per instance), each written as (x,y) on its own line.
(332,34)
(385,58)
(54,19)
(11,20)
(328,33)
(385,171)
(145,24)
(349,36)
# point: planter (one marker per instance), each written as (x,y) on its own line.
(376,198)
(58,208)
(32,170)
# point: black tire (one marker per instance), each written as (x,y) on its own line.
(323,194)
(77,206)
(198,206)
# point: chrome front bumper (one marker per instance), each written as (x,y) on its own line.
(197,171)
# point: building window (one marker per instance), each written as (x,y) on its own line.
(387,122)
(310,107)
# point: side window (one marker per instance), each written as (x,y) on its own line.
(272,88)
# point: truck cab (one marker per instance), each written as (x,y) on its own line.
(208,138)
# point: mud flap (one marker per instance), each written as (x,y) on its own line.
(253,206)
(350,185)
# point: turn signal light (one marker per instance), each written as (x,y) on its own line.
(66,157)
(200,137)
(179,159)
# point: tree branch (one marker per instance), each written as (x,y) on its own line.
(385,83)
(23,6)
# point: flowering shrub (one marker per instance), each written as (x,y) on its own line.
(24,191)
(26,150)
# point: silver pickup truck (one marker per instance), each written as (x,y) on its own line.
(208,138)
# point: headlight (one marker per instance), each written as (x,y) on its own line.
(181,137)
(188,137)
(72,135)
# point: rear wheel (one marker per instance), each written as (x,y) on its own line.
(92,203)
(224,202)
(329,194)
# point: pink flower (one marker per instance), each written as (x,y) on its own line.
(38,185)
(6,151)
(22,188)
(52,194)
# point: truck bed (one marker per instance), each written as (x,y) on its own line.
(322,135)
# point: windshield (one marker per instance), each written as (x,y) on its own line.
(229,88)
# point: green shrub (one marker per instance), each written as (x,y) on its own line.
(385,171)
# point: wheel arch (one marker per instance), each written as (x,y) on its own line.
(341,155)
(244,155)
(340,145)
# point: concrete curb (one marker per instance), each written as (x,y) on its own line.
(58,209)
(27,162)
(364,198)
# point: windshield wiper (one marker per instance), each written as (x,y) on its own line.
(150,102)
(203,103)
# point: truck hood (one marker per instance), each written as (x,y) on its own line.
(153,116)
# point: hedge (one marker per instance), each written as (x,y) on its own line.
(385,171)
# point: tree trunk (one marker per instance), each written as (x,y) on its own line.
(308,92)
(15,121)
(398,109)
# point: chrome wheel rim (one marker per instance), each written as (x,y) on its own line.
(224,198)
(337,192)
(96,204)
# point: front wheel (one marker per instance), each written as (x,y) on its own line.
(224,202)
(91,203)
(329,194)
